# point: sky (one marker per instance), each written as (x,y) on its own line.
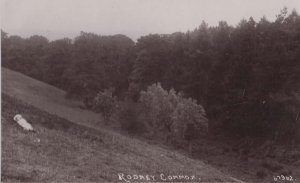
(56,19)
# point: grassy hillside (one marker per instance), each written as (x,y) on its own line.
(46,97)
(70,152)
(76,146)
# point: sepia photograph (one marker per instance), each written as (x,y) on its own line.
(149,91)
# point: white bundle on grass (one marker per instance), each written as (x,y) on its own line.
(23,123)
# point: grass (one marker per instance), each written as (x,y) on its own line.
(69,152)
(46,97)
(75,149)
(76,146)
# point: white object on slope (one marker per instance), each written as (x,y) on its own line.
(23,123)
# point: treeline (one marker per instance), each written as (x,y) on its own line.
(247,77)
(81,66)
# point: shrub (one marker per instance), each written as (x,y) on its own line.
(133,92)
(130,116)
(105,103)
(160,105)
(189,119)
(172,114)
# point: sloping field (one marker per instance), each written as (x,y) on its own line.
(71,146)
(45,97)
(62,151)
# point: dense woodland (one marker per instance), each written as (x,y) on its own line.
(246,77)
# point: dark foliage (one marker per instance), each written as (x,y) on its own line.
(246,77)
(130,116)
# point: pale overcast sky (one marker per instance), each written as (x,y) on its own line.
(66,18)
